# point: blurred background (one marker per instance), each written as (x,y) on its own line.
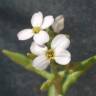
(80,24)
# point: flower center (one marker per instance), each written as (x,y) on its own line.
(36,29)
(50,54)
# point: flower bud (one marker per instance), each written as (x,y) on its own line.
(58,24)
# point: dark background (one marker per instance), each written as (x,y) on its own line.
(80,23)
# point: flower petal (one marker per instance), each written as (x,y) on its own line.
(60,41)
(41,38)
(38,49)
(37,19)
(41,62)
(48,21)
(58,25)
(25,34)
(62,57)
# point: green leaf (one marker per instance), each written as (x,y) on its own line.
(86,64)
(77,72)
(26,63)
(17,57)
(70,80)
(47,83)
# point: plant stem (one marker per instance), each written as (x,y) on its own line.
(56,86)
(52,91)
(42,73)
(73,77)
(70,80)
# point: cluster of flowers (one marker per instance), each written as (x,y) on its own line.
(58,46)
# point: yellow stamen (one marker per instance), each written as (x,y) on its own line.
(50,54)
(36,29)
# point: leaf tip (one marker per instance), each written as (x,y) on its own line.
(4,51)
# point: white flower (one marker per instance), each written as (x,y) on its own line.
(37,32)
(57,52)
(58,24)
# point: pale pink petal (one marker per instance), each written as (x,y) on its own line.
(25,34)
(41,38)
(48,21)
(37,19)
(58,24)
(60,41)
(62,57)
(41,62)
(38,49)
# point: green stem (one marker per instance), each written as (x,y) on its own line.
(70,80)
(73,77)
(56,84)
(42,73)
(52,91)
